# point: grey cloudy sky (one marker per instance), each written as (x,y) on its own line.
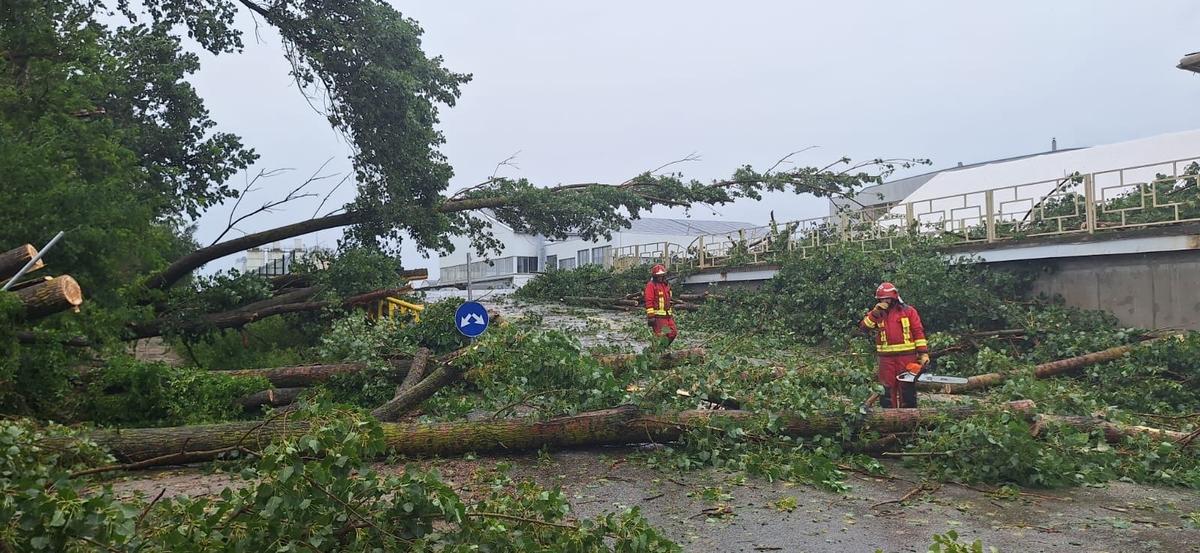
(603,91)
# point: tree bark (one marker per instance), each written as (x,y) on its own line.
(50,297)
(416,371)
(12,260)
(620,425)
(259,310)
(445,374)
(192,261)
(1045,370)
(1115,432)
(310,375)
(274,397)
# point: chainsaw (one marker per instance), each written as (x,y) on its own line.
(916,373)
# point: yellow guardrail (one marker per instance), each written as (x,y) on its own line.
(1131,197)
(389,307)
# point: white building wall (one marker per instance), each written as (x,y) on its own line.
(512,244)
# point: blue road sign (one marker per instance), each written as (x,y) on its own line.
(471,319)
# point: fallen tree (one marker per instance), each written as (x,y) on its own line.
(310,375)
(1115,432)
(1044,370)
(281,304)
(621,425)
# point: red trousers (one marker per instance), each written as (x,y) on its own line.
(896,393)
(664,326)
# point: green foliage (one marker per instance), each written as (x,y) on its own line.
(135,393)
(352,270)
(948,543)
(271,342)
(316,492)
(542,370)
(1000,447)
(823,297)
(589,280)
(118,181)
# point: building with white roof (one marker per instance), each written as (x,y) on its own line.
(958,196)
(522,256)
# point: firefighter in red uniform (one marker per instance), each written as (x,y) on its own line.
(899,340)
(658,304)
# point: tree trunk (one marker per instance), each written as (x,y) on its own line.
(50,297)
(274,397)
(1115,432)
(12,260)
(192,261)
(259,310)
(416,370)
(621,362)
(1045,370)
(620,425)
(445,374)
(309,375)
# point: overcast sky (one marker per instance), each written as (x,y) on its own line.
(603,91)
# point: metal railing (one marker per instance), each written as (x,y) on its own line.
(666,253)
(1153,194)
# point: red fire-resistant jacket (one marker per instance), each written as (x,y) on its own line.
(899,330)
(658,299)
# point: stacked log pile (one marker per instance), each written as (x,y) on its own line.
(39,296)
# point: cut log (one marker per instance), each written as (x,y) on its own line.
(1115,432)
(621,362)
(12,260)
(416,370)
(1045,370)
(49,297)
(274,397)
(446,373)
(310,375)
(621,425)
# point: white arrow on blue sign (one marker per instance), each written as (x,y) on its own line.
(471,318)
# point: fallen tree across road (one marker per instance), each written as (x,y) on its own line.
(616,426)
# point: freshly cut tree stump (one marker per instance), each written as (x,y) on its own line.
(619,425)
(49,297)
(12,260)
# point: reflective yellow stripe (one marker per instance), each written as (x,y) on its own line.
(907,329)
(922,343)
(884,348)
(868,322)
(649,310)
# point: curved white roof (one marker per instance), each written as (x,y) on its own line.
(1032,178)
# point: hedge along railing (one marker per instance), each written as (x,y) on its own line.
(1153,194)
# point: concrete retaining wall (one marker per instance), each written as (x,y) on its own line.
(1148,290)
